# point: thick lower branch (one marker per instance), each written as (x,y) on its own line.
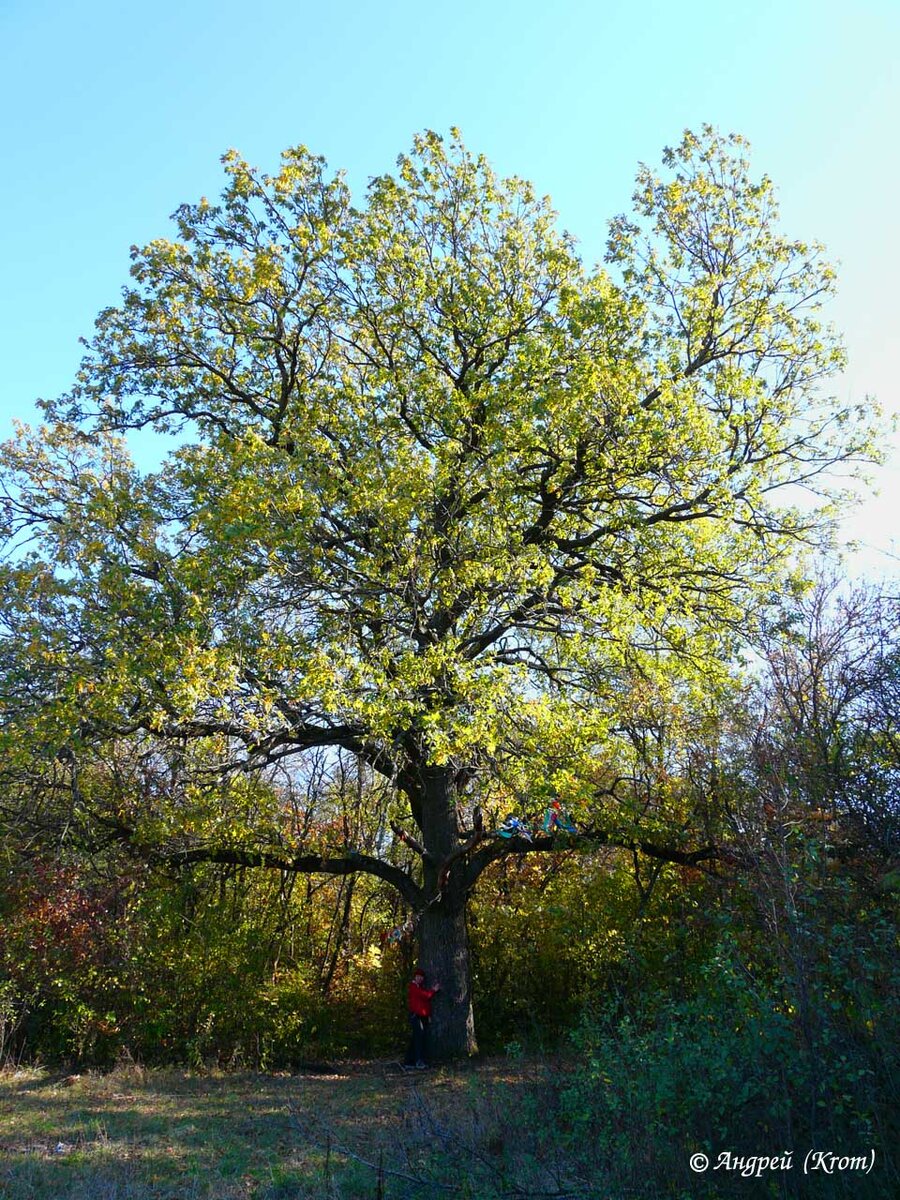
(501,847)
(351,863)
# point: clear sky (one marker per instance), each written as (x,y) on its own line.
(114,113)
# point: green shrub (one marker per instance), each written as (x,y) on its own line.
(732,1068)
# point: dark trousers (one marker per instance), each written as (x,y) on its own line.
(418,1040)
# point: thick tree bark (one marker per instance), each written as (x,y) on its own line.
(443,936)
(444,955)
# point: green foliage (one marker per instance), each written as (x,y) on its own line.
(202,969)
(443,503)
(549,940)
(438,481)
(737,1064)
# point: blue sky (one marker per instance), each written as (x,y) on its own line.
(113,114)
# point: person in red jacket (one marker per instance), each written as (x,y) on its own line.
(419,998)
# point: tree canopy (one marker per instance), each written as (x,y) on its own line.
(437,491)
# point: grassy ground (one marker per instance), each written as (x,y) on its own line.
(155,1135)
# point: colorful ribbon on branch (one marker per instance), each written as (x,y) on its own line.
(400,932)
(514,827)
(556,818)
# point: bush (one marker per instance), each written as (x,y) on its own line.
(198,969)
(732,1069)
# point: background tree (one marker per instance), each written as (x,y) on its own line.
(826,742)
(436,491)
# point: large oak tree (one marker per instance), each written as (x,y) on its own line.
(435,491)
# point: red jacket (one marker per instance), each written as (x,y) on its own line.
(420,1000)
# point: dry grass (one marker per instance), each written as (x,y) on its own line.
(136,1134)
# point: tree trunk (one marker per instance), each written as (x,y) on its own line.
(444,956)
(443,937)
